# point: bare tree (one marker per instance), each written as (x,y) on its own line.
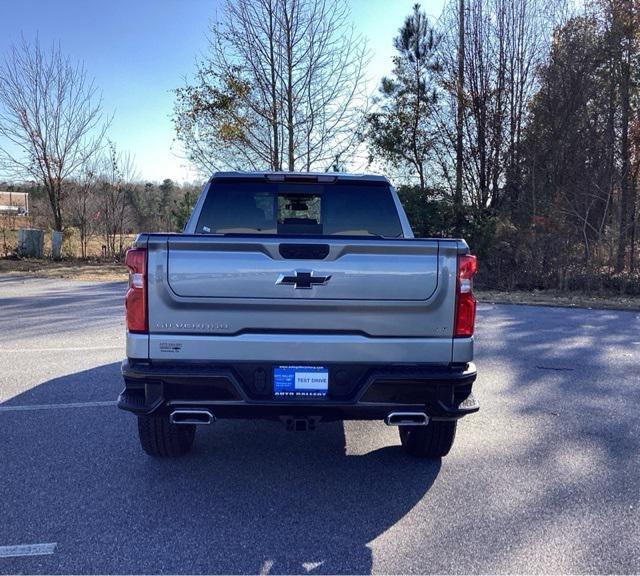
(458,199)
(505,42)
(51,120)
(282,85)
(621,31)
(83,204)
(116,180)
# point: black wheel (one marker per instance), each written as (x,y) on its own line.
(431,441)
(159,437)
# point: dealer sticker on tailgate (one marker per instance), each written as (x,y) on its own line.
(300,381)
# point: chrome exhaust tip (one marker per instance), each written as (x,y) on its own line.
(406,419)
(185,416)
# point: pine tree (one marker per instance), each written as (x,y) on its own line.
(399,130)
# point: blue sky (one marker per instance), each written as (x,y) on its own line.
(139,50)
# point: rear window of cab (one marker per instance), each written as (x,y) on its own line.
(340,209)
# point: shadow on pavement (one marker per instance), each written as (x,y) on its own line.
(251,497)
(557,389)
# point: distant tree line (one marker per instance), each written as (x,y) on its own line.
(104,209)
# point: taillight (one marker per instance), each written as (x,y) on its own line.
(136,299)
(465,302)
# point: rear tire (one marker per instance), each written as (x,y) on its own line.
(431,441)
(158,437)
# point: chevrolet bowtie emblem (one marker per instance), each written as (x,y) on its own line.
(305,280)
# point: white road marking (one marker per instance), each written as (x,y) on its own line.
(309,566)
(67,349)
(27,407)
(266,567)
(27,550)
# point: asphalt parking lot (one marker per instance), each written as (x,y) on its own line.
(545,479)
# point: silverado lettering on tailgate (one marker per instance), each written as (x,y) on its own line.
(192,326)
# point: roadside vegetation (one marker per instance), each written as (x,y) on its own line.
(514,124)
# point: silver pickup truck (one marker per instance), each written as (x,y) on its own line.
(302,298)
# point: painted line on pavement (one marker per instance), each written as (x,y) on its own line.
(27,407)
(265,568)
(27,550)
(68,349)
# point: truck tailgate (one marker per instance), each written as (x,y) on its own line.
(209,285)
(351,270)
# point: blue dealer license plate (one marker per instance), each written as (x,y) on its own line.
(300,381)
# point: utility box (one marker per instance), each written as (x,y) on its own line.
(30,242)
(56,244)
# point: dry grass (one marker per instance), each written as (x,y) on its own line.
(70,246)
(67,269)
